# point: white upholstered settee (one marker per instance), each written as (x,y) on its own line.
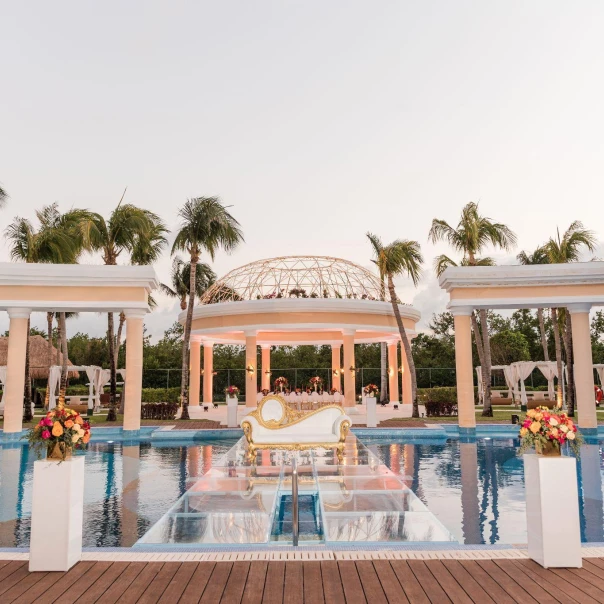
(275,426)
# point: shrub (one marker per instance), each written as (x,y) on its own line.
(437,395)
(440,409)
(161,395)
(159,410)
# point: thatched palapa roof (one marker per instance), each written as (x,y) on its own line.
(38,357)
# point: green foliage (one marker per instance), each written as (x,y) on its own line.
(160,395)
(437,395)
(441,409)
(431,351)
(508,347)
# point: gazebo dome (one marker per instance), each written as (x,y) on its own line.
(296,277)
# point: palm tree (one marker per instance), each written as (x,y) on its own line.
(206,225)
(180,278)
(3,197)
(128,229)
(471,235)
(401,257)
(539,256)
(560,250)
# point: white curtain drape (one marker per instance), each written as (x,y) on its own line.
(549,371)
(53,382)
(91,371)
(522,369)
(599,370)
(101,380)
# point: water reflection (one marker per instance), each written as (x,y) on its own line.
(590,494)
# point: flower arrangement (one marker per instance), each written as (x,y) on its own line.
(371,390)
(280,382)
(547,432)
(298,391)
(265,391)
(315,382)
(232,391)
(61,431)
(333,391)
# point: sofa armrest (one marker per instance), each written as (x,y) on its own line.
(341,430)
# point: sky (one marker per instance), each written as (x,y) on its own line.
(316,121)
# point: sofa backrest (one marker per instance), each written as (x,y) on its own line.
(272,409)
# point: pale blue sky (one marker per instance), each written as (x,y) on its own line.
(316,120)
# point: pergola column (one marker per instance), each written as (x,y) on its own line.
(251,361)
(393,371)
(208,372)
(583,362)
(266,366)
(463,367)
(349,368)
(406,374)
(134,369)
(194,370)
(336,366)
(15,370)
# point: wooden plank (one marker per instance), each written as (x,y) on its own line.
(351,583)
(424,577)
(178,583)
(599,562)
(73,593)
(16,577)
(10,568)
(122,583)
(495,591)
(215,587)
(236,585)
(38,588)
(370,582)
(592,568)
(542,595)
(333,592)
(447,582)
(408,582)
(469,585)
(506,583)
(103,583)
(136,589)
(3,563)
(313,582)
(75,574)
(273,586)
(293,589)
(553,581)
(254,587)
(581,579)
(392,588)
(198,583)
(21,587)
(157,587)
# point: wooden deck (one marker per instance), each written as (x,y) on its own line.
(352,582)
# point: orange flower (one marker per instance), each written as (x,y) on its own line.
(79,420)
(86,437)
(57,429)
(69,424)
(535,427)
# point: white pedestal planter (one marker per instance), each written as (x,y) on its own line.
(370,406)
(232,403)
(57,514)
(552,511)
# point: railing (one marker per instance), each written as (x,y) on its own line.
(295,527)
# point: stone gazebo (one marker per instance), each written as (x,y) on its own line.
(297,300)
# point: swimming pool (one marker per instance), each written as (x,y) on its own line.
(475,489)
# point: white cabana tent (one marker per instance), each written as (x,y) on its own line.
(92,372)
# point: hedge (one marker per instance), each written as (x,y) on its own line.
(440,409)
(161,395)
(159,410)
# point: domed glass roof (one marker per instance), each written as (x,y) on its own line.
(296,277)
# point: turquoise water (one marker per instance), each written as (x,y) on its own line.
(475,490)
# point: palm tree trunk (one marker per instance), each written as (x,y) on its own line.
(184,380)
(543,334)
(27,414)
(63,386)
(479,348)
(556,329)
(112,415)
(406,344)
(487,410)
(49,318)
(568,349)
(384,372)
(118,345)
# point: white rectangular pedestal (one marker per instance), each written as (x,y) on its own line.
(552,511)
(57,515)
(370,406)
(232,412)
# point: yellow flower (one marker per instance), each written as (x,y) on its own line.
(57,429)
(531,413)
(554,432)
(564,428)
(535,427)
(75,438)
(570,436)
(538,416)
(553,421)
(523,432)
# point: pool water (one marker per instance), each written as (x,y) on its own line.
(475,490)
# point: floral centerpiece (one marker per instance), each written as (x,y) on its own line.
(60,432)
(547,432)
(298,391)
(371,390)
(232,392)
(333,391)
(265,391)
(315,382)
(280,382)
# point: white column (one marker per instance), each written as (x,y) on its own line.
(134,368)
(194,370)
(208,372)
(251,369)
(336,366)
(349,375)
(583,361)
(393,370)
(463,367)
(15,370)
(266,366)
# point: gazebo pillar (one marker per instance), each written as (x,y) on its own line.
(584,373)
(15,370)
(393,371)
(266,367)
(134,369)
(406,374)
(336,366)
(349,374)
(463,367)
(208,372)
(194,370)
(251,377)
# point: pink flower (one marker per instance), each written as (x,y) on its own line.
(45,434)
(46,421)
